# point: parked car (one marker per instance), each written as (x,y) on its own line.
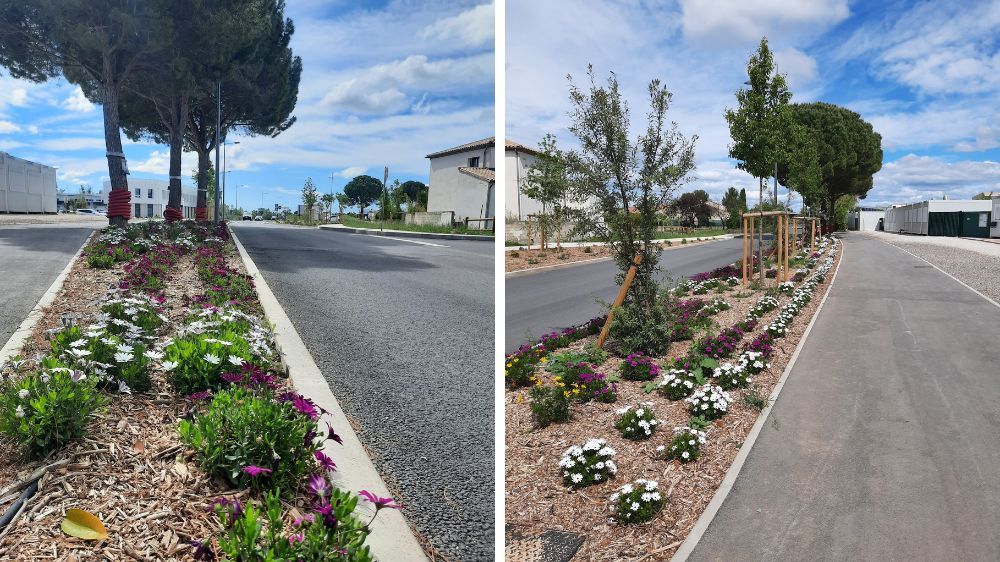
(247,218)
(258,218)
(88,212)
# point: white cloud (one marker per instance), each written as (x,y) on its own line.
(800,67)
(973,125)
(8,127)
(917,178)
(379,89)
(351,172)
(729,22)
(71,144)
(77,102)
(473,27)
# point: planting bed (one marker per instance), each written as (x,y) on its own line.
(520,259)
(156,493)
(539,495)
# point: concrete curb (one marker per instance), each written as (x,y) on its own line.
(391,538)
(405,233)
(23,332)
(659,241)
(700,526)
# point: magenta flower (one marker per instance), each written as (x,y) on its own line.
(318,485)
(255,471)
(232,377)
(379,502)
(331,434)
(325,461)
(298,521)
(326,510)
(203,395)
(296,537)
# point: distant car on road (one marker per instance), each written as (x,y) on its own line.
(89,212)
(258,218)
(247,218)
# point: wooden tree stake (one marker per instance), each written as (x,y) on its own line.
(629,277)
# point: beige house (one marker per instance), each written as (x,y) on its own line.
(518,159)
(463,184)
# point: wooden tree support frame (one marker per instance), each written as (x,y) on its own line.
(629,277)
(783,220)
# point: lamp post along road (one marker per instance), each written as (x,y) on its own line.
(385,180)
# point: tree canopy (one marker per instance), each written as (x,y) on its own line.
(848,152)
(693,208)
(363,191)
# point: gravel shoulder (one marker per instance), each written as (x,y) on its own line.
(975,263)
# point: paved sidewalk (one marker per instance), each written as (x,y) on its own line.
(885,442)
(982,246)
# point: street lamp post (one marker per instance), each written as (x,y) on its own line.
(225,172)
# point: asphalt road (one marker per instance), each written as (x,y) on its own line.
(885,441)
(539,303)
(31,257)
(404,333)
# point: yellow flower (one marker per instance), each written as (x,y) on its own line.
(544,360)
(520,398)
(509,365)
(566,393)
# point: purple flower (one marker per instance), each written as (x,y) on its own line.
(332,435)
(325,461)
(317,485)
(232,377)
(326,510)
(309,518)
(255,471)
(202,550)
(380,502)
(296,537)
(205,394)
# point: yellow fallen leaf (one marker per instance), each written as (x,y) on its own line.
(83,525)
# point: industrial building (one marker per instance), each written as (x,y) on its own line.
(865,219)
(25,186)
(970,218)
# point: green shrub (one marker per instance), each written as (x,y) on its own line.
(242,428)
(196,362)
(636,423)
(257,534)
(685,446)
(637,503)
(549,404)
(115,362)
(587,464)
(47,408)
(100,261)
(643,329)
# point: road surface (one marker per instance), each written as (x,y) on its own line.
(539,303)
(404,333)
(31,257)
(885,441)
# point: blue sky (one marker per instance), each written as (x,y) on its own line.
(925,74)
(383,84)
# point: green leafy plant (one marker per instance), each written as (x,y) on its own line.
(113,361)
(132,314)
(587,464)
(254,439)
(685,446)
(48,408)
(196,362)
(637,503)
(639,368)
(549,404)
(260,534)
(636,423)
(641,328)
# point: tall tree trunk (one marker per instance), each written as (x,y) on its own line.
(113,145)
(178,120)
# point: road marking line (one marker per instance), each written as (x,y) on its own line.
(700,526)
(404,240)
(391,537)
(23,332)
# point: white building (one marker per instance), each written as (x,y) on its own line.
(941,218)
(865,218)
(26,187)
(150,196)
(518,159)
(462,182)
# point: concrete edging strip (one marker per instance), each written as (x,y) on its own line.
(23,332)
(391,538)
(405,233)
(706,517)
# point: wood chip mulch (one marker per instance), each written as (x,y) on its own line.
(131,470)
(537,500)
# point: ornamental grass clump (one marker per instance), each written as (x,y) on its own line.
(255,439)
(637,503)
(636,422)
(677,384)
(588,464)
(47,408)
(709,401)
(685,445)
(638,367)
(328,531)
